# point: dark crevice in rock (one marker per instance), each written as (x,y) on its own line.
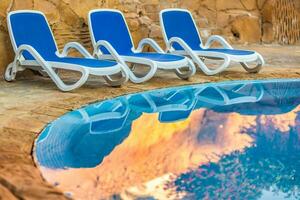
(235,34)
(14,191)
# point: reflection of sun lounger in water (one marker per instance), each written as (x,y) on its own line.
(171,106)
(86,144)
(229,95)
(108,116)
(83,140)
(280,99)
(178,105)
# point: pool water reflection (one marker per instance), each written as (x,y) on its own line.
(234,140)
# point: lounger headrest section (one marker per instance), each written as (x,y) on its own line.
(180,23)
(31,28)
(110,26)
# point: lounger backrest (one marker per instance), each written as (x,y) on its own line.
(31,28)
(110,25)
(180,23)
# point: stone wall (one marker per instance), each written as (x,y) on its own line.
(240,21)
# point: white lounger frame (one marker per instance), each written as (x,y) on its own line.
(195,55)
(176,65)
(113,114)
(49,68)
(186,106)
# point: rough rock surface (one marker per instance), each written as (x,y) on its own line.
(31,102)
(240,21)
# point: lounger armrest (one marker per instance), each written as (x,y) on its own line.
(31,50)
(152,43)
(19,57)
(49,69)
(181,43)
(109,48)
(219,39)
(78,47)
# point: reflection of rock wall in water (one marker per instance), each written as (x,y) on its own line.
(270,165)
(155,150)
(239,20)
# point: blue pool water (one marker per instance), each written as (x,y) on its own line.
(232,140)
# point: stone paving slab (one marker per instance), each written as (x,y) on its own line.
(31,102)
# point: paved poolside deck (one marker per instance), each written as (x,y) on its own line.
(31,102)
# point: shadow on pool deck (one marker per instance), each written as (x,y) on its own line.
(31,102)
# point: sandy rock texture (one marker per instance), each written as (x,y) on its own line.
(240,21)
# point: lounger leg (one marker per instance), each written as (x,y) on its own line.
(133,78)
(51,71)
(64,87)
(256,69)
(197,59)
(116,82)
(260,62)
(210,72)
(148,76)
(186,75)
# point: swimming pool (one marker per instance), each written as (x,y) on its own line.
(231,140)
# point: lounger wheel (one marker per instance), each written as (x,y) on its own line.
(9,74)
(198,58)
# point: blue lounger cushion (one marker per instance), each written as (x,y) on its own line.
(93,63)
(32,29)
(235,52)
(110,26)
(156,57)
(180,24)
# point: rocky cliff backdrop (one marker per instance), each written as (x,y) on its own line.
(240,21)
